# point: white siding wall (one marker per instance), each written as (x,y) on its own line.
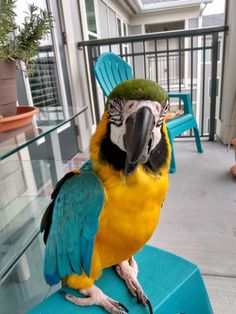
(227,129)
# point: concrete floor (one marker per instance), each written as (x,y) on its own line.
(198,219)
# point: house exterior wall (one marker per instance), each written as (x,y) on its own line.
(116,7)
(108,13)
(105,30)
(165,16)
(76,63)
(227,123)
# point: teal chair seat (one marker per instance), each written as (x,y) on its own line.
(176,122)
(173,285)
(110,70)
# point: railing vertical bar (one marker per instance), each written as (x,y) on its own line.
(168,65)
(191,77)
(144,60)
(180,71)
(191,69)
(215,37)
(156,61)
(133,58)
(121,52)
(110,47)
(93,82)
(203,82)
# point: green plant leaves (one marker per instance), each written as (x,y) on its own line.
(23,46)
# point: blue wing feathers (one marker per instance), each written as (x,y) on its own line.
(87,252)
(74,225)
(50,263)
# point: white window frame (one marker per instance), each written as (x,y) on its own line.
(88,33)
(123,23)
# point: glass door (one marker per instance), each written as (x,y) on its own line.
(48,87)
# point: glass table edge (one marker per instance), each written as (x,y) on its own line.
(53,128)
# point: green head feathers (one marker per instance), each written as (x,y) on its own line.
(139,89)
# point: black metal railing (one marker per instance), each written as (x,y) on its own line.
(175,59)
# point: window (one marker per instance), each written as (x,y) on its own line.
(217,87)
(122,28)
(91,18)
(48,87)
(125,29)
(119,27)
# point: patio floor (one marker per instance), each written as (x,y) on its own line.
(198,219)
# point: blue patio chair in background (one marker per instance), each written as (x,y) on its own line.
(110,70)
(181,124)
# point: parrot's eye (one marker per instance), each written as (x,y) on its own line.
(115,105)
(163,112)
(115,108)
(110,106)
(131,104)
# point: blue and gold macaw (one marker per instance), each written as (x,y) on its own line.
(102,214)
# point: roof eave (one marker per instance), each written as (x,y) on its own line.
(143,8)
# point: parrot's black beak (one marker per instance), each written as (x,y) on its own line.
(137,138)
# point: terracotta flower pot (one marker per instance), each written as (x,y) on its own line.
(8,94)
(23,116)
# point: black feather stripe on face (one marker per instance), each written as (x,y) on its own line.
(115,108)
(111,153)
(158,155)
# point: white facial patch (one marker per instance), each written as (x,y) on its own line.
(118,129)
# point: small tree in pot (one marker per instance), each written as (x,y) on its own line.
(18,43)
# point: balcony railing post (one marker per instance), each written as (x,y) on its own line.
(93,82)
(215,38)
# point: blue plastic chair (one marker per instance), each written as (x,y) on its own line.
(173,285)
(181,124)
(110,70)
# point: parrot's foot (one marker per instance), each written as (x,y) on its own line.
(128,271)
(95,296)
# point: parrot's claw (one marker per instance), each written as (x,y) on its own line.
(128,271)
(96,297)
(148,303)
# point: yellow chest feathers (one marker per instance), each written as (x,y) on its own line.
(132,207)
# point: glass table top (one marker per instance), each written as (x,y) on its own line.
(25,189)
(15,140)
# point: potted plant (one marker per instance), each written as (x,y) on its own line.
(18,45)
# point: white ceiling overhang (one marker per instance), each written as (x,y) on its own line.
(137,6)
